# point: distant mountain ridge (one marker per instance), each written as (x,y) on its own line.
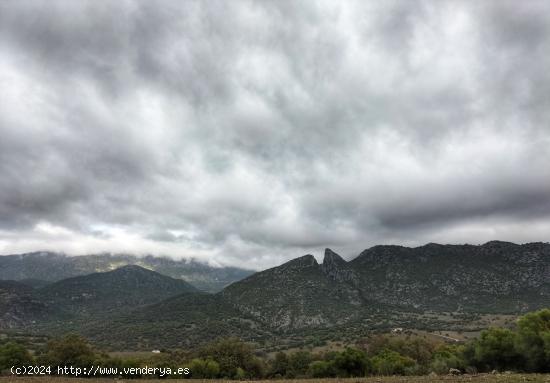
(497,277)
(42,267)
(85,298)
(431,286)
(493,277)
(127,287)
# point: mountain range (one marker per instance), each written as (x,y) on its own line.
(39,268)
(432,286)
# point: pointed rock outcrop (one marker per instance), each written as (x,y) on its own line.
(332,263)
(336,268)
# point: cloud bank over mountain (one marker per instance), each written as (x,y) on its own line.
(247,133)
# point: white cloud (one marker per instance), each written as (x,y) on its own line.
(250,133)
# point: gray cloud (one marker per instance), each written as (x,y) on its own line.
(248,133)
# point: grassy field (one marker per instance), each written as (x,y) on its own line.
(481,378)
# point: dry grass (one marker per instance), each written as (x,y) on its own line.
(481,378)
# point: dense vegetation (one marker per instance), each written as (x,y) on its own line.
(524,348)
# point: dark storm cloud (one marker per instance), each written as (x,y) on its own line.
(251,132)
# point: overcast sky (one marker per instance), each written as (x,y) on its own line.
(249,133)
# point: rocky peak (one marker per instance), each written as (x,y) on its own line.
(336,268)
(332,259)
(307,260)
(296,265)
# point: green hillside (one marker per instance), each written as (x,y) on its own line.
(99,294)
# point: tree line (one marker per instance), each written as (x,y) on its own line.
(525,348)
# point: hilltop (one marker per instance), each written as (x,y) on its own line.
(82,299)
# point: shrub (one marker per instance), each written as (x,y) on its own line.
(279,365)
(495,349)
(447,357)
(204,369)
(71,350)
(232,354)
(391,363)
(13,354)
(322,369)
(352,362)
(298,364)
(533,340)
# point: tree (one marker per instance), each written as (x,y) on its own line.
(298,364)
(279,366)
(322,369)
(545,336)
(71,350)
(13,354)
(391,363)
(352,362)
(533,341)
(204,369)
(447,357)
(415,347)
(495,349)
(232,354)
(240,374)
